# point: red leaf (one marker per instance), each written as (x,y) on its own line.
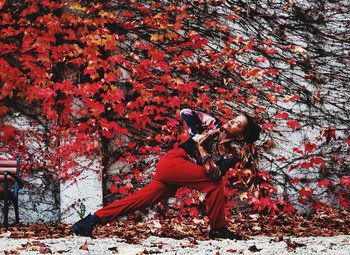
(254,72)
(295,180)
(188,87)
(127,14)
(194,212)
(343,201)
(282,115)
(2,2)
(324,183)
(264,175)
(267,42)
(188,201)
(113,188)
(174,102)
(181,192)
(116,179)
(272,98)
(172,123)
(45,250)
(310,147)
(260,110)
(306,165)
(267,84)
(230,204)
(199,41)
(289,209)
(204,100)
(345,180)
(268,126)
(292,61)
(329,133)
(271,51)
(3,110)
(306,192)
(348,141)
(247,47)
(156,55)
(318,161)
(96,108)
(293,124)
(123,190)
(8,131)
(261,60)
(265,202)
(272,71)
(297,150)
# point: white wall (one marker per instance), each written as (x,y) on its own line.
(83,195)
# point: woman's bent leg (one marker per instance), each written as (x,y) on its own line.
(175,168)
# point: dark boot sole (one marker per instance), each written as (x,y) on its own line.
(76,230)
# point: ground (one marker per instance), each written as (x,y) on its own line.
(324,232)
(157,245)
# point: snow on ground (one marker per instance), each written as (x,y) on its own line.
(337,245)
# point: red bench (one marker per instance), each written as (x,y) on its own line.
(10,183)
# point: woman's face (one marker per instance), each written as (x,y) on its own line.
(236,126)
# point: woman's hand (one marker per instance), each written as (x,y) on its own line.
(206,137)
(202,139)
(211,168)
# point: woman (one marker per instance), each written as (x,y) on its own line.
(199,163)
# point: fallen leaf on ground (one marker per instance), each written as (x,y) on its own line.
(85,246)
(254,249)
(6,252)
(292,245)
(45,250)
(6,234)
(113,249)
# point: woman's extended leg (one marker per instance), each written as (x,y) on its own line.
(149,195)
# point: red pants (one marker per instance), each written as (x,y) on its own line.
(173,170)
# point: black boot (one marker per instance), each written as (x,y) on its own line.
(223,233)
(85,226)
